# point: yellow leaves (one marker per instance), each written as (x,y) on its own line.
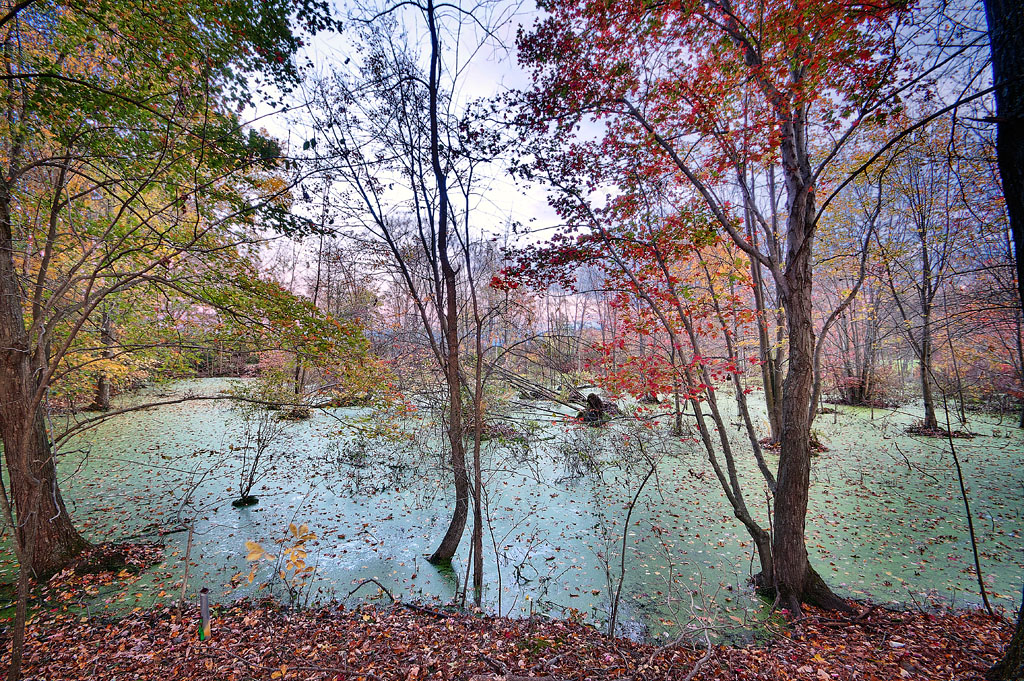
(280,673)
(301,533)
(290,564)
(255,551)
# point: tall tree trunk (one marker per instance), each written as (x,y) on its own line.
(930,421)
(42,520)
(453,536)
(927,295)
(299,379)
(767,354)
(1005,27)
(795,580)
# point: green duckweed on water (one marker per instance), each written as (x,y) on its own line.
(885,523)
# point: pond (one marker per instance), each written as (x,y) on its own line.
(886,518)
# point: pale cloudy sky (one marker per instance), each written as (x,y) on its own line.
(486,66)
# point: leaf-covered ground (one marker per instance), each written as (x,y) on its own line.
(264,641)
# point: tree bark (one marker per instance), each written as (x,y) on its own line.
(1011,667)
(930,420)
(453,536)
(1005,27)
(43,525)
(927,294)
(794,579)
(101,400)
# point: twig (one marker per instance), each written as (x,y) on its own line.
(371,580)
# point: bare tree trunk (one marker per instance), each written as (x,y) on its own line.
(1006,25)
(20,620)
(101,401)
(43,520)
(453,536)
(925,359)
(299,379)
(768,357)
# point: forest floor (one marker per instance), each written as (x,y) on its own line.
(260,640)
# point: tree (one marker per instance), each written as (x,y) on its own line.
(1006,24)
(394,126)
(675,285)
(700,94)
(123,168)
(920,249)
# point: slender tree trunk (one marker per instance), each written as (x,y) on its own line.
(101,401)
(768,356)
(930,420)
(20,621)
(927,299)
(1020,364)
(453,536)
(478,518)
(299,380)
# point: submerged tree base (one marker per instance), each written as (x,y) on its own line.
(245,501)
(815,593)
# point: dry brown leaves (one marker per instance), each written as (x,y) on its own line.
(100,566)
(262,641)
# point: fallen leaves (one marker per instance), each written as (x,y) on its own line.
(103,565)
(265,641)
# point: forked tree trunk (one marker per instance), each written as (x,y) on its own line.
(453,536)
(44,530)
(794,579)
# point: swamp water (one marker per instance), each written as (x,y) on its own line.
(886,518)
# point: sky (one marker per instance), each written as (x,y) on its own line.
(486,66)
